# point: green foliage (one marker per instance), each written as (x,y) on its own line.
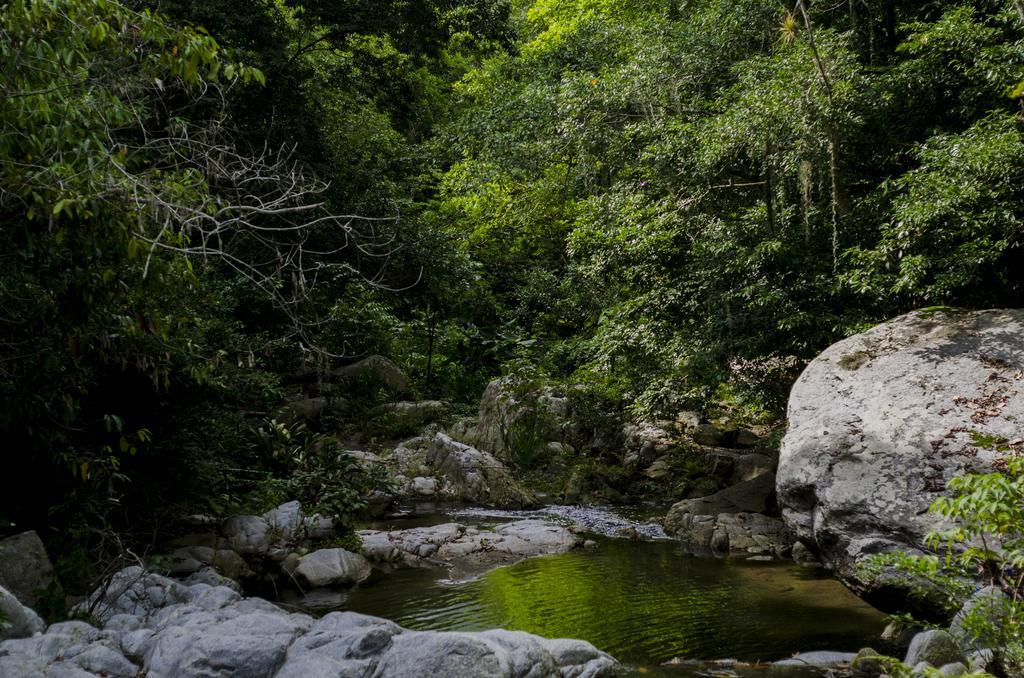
(897,669)
(314,470)
(957,218)
(985,541)
(98,320)
(668,198)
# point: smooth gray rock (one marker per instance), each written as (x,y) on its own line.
(25,569)
(251,645)
(819,658)
(73,649)
(105,661)
(880,421)
(443,654)
(935,647)
(212,577)
(284,522)
(20,621)
(424,487)
(491,653)
(339,644)
(269,534)
(953,670)
(332,567)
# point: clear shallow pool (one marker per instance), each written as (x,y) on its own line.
(643,602)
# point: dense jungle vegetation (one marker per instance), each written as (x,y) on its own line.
(675,203)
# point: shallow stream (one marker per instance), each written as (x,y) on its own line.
(645,602)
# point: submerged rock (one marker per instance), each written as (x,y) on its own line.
(879,423)
(819,659)
(155,626)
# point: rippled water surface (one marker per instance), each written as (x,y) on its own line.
(643,602)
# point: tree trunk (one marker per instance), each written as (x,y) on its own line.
(838,192)
(430,346)
(889,25)
(769,185)
(838,196)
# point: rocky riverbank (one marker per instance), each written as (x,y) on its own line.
(878,424)
(297,552)
(147,624)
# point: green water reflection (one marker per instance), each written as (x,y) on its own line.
(642,602)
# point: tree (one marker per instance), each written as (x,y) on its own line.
(127,198)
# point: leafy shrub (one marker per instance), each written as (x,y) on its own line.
(314,469)
(986,543)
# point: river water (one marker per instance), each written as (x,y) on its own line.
(645,602)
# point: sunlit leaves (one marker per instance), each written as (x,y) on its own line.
(956,217)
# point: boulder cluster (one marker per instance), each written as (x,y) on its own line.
(147,624)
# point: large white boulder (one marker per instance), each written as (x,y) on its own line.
(881,421)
